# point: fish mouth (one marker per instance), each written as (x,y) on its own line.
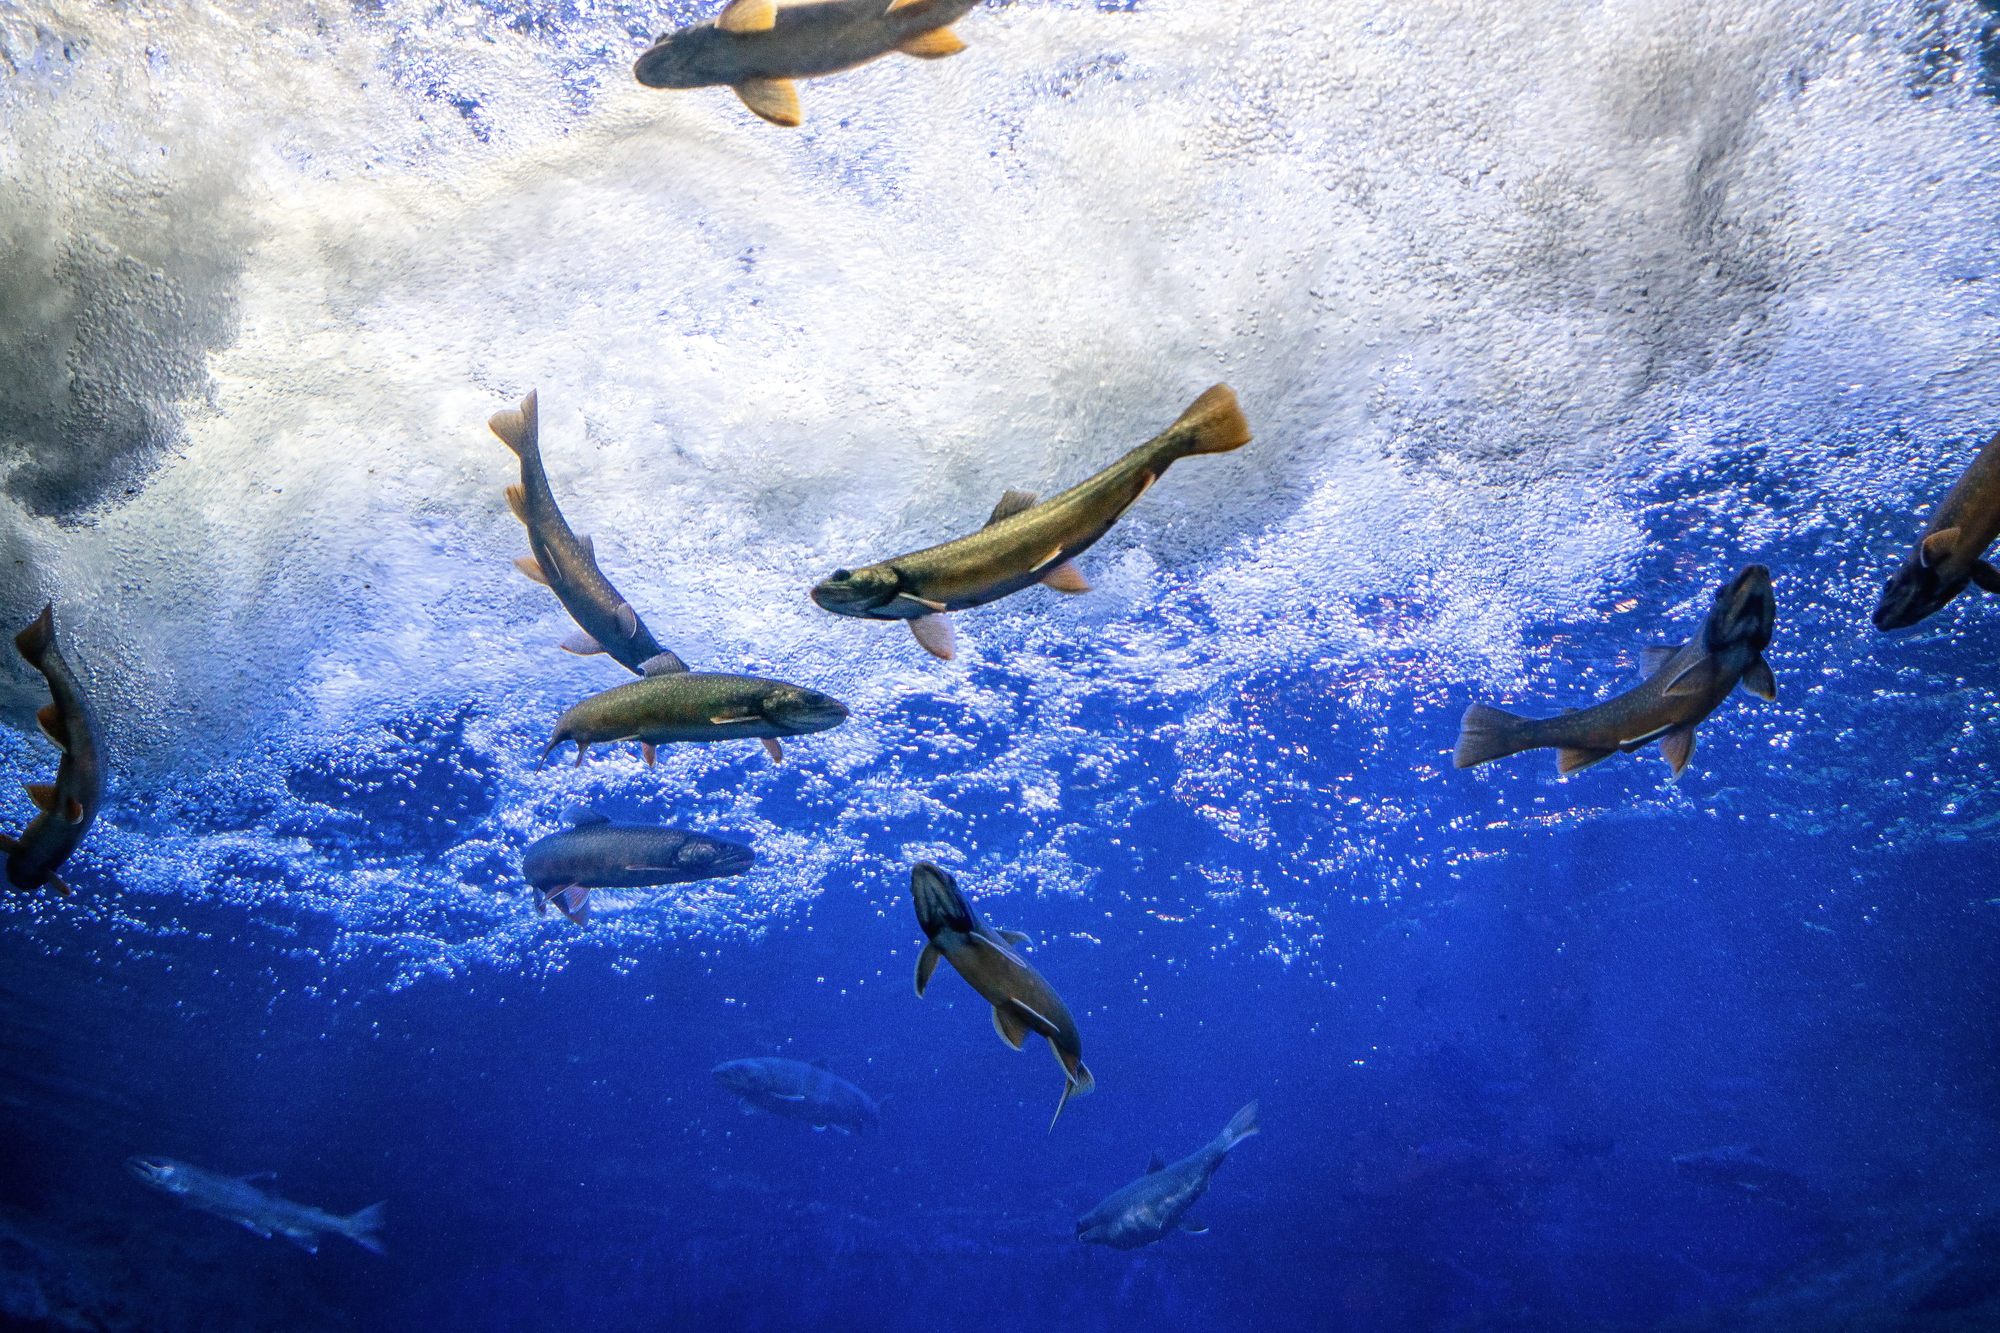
(940,905)
(732,1075)
(152,1170)
(1910,595)
(847,592)
(1749,608)
(718,859)
(801,711)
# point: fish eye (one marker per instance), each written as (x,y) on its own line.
(842,575)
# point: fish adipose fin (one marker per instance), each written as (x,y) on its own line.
(1986,576)
(1010,504)
(776,100)
(518,428)
(1486,733)
(934,632)
(1654,657)
(49,718)
(1678,747)
(933,45)
(365,1228)
(1575,758)
(1760,682)
(1213,423)
(1013,1028)
(748,16)
(927,962)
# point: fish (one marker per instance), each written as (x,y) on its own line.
(696,706)
(69,805)
(566,564)
(758,47)
(1022,1001)
(1681,685)
(1156,1204)
(1738,1168)
(800,1091)
(595,853)
(1950,553)
(238,1199)
(1026,540)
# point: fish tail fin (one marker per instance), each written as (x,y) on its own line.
(554,742)
(1078,1081)
(519,428)
(35,641)
(1213,424)
(1486,733)
(1240,1127)
(364,1228)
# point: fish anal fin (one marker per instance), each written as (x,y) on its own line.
(650,752)
(1760,682)
(1937,547)
(748,16)
(934,632)
(1066,577)
(1655,656)
(517,500)
(1012,1027)
(1575,758)
(772,748)
(933,45)
(927,963)
(1010,504)
(1678,747)
(49,718)
(1986,576)
(43,794)
(532,568)
(776,100)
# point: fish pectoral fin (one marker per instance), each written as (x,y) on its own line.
(532,568)
(253,1228)
(933,45)
(662,664)
(927,963)
(1937,547)
(628,619)
(1156,1164)
(776,100)
(1066,577)
(55,882)
(305,1240)
(772,748)
(517,500)
(934,632)
(996,946)
(924,602)
(1194,1228)
(49,718)
(1678,747)
(1035,1021)
(1986,576)
(582,645)
(1011,502)
(788,1096)
(1693,678)
(730,719)
(748,16)
(1655,656)
(895,5)
(1575,758)
(1011,1026)
(1760,682)
(43,794)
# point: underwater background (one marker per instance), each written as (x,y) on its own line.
(1547,319)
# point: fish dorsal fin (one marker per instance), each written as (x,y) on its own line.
(1011,503)
(933,45)
(776,100)
(748,16)
(1654,656)
(49,717)
(43,794)
(1575,758)
(1759,681)
(582,816)
(1156,1164)
(1937,547)
(664,664)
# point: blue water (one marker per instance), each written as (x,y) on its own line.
(1539,348)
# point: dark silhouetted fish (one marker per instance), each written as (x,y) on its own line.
(800,1091)
(596,853)
(1737,1168)
(758,47)
(236,1199)
(68,805)
(1683,685)
(1157,1203)
(1950,553)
